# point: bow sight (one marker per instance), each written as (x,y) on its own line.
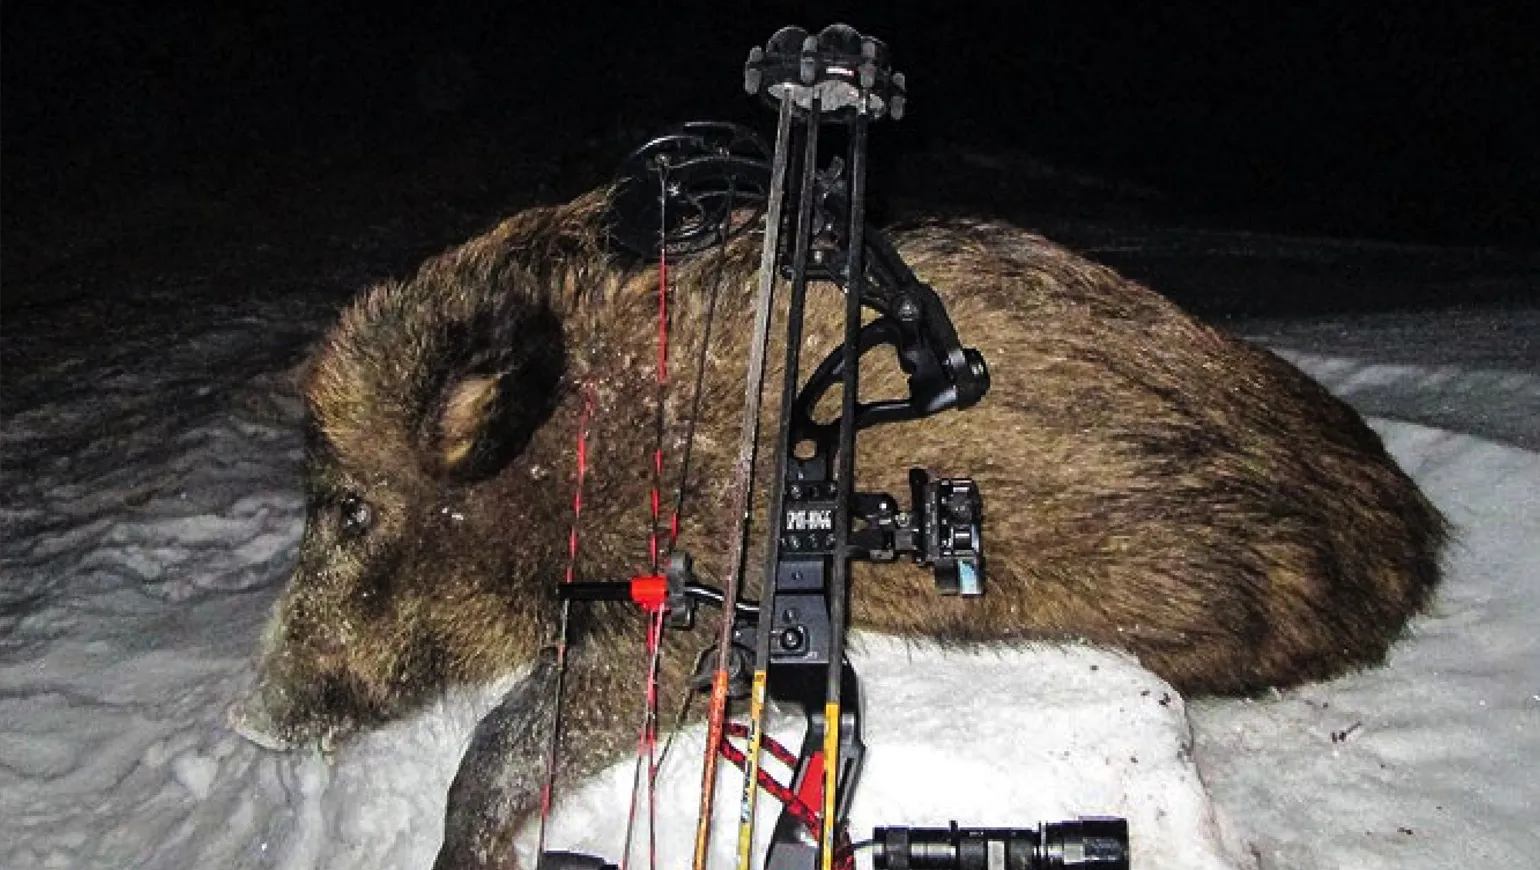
(683,193)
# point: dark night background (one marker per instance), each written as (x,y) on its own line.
(250,145)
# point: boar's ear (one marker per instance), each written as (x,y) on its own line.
(485,417)
(484,420)
(467,410)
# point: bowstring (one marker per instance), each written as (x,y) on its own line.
(547,788)
(646,751)
(647,740)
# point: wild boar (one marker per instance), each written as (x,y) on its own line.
(1150,484)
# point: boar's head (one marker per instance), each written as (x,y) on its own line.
(410,574)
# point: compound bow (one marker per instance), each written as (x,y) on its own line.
(679,195)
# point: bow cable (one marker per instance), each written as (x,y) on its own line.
(700,372)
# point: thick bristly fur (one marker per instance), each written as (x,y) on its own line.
(1149,484)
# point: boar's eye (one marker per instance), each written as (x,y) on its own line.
(355,516)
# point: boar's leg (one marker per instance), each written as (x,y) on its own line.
(500,775)
(498,785)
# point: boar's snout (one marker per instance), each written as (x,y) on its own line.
(283,711)
(301,694)
(251,718)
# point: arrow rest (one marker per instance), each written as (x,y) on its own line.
(689,190)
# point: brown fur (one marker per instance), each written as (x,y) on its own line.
(1149,483)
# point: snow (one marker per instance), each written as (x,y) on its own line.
(1003,738)
(151,506)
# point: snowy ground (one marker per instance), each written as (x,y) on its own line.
(151,505)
